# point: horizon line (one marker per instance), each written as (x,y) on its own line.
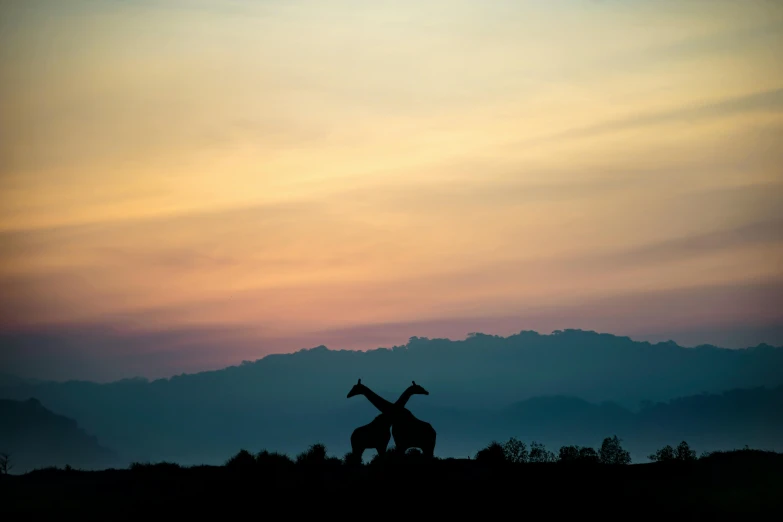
(405,346)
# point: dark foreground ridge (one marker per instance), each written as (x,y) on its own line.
(723,484)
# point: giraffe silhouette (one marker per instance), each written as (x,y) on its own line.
(407,430)
(375,435)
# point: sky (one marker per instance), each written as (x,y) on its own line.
(186,184)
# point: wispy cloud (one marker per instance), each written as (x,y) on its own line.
(728,315)
(289,169)
(764,102)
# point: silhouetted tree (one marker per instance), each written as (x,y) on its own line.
(5,463)
(539,453)
(684,453)
(613,453)
(568,454)
(494,453)
(588,454)
(665,454)
(515,450)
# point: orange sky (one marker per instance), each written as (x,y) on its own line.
(286,174)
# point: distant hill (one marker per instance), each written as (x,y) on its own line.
(579,385)
(7,379)
(36,438)
(708,422)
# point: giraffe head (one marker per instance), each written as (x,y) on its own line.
(357,389)
(416,389)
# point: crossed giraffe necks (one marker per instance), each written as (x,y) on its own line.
(394,410)
(379,402)
(385,406)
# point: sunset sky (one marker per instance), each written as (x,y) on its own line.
(186,184)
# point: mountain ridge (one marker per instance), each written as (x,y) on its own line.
(286,401)
(36,437)
(323,349)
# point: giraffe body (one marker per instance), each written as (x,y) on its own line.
(410,432)
(375,435)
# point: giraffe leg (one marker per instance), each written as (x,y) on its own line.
(356,455)
(429,450)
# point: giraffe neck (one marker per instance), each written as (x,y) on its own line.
(404,397)
(379,402)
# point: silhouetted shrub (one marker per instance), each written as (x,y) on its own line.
(745,455)
(539,453)
(314,456)
(494,453)
(413,457)
(333,463)
(378,457)
(242,461)
(394,451)
(403,462)
(391,457)
(515,450)
(46,470)
(351,459)
(158,466)
(273,462)
(613,453)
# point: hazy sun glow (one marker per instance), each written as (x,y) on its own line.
(188,183)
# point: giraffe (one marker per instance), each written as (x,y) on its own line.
(407,430)
(374,435)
